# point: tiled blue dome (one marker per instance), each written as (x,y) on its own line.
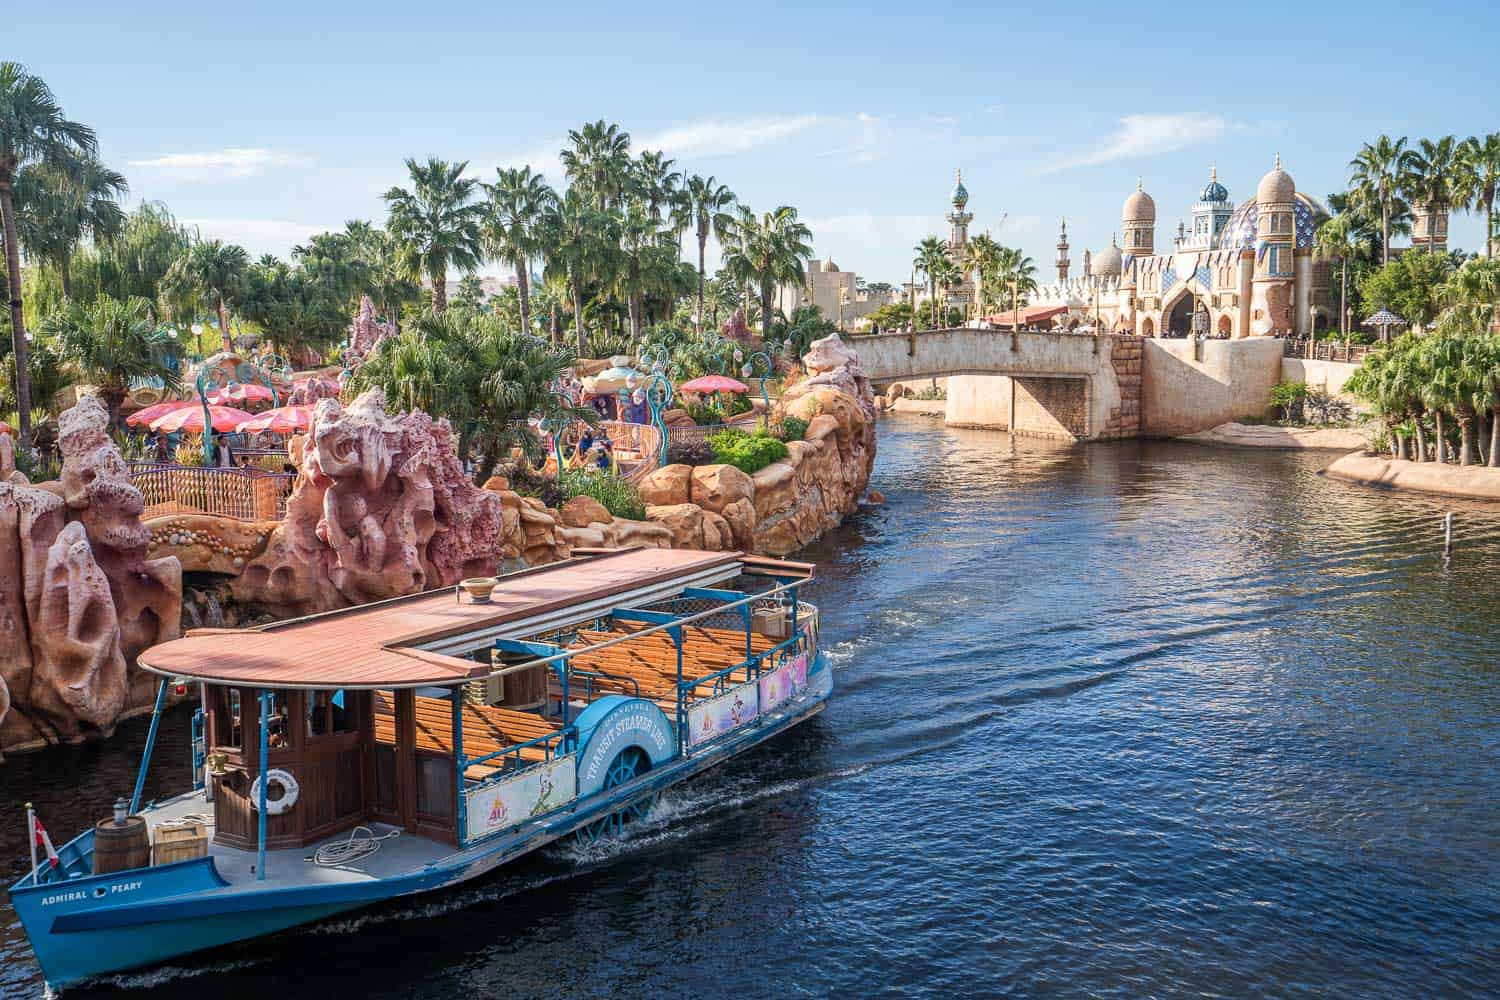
(1239,231)
(1214,192)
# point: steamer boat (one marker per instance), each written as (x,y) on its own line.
(401,747)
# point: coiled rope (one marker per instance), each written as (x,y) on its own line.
(342,852)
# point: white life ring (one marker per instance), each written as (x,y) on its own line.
(289,789)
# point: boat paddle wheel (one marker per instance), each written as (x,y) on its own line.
(628,765)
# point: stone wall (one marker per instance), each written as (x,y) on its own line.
(1181,393)
(1329,376)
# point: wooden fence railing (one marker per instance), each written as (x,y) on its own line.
(241,494)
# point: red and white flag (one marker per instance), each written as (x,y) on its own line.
(40,839)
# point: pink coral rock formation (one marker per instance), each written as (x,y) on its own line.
(381,507)
(365,332)
(307,391)
(78,595)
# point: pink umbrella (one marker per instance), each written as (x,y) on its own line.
(714,383)
(190,419)
(282,420)
(144,416)
(243,392)
(6,429)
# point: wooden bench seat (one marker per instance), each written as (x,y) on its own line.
(487,729)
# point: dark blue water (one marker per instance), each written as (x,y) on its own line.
(1118,720)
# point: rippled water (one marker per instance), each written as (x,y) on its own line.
(1123,720)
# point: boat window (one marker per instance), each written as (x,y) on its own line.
(278,733)
(227,728)
(328,713)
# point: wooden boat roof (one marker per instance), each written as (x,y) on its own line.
(380,645)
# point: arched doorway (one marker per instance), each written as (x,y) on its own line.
(1226,328)
(1320,323)
(1148,329)
(1179,320)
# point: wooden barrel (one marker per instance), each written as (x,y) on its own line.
(120,847)
(526,688)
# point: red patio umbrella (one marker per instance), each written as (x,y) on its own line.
(6,429)
(144,416)
(714,383)
(190,419)
(243,392)
(282,420)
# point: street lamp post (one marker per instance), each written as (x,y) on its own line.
(749,372)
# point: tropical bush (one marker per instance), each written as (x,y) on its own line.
(1288,398)
(792,429)
(486,379)
(618,496)
(747,452)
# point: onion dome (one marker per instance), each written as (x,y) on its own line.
(1276,187)
(960,193)
(1139,207)
(1108,263)
(1214,191)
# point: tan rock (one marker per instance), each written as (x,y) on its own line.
(715,487)
(669,485)
(875,497)
(585,537)
(581,511)
(205,543)
(740,516)
(497,484)
(629,534)
(683,520)
(775,489)
(717,535)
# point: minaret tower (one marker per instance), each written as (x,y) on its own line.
(958,218)
(1062,253)
(1272,311)
(1138,222)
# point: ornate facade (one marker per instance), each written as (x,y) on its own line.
(1246,271)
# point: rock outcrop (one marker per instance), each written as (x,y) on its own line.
(79,596)
(381,507)
(365,332)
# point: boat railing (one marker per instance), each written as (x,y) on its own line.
(591,676)
(551,744)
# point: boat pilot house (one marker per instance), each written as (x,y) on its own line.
(405,745)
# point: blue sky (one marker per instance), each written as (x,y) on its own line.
(265,122)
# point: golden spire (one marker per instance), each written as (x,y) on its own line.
(959,175)
(1213,172)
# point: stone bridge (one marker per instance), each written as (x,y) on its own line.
(1081,387)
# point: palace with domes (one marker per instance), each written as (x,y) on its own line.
(1246,271)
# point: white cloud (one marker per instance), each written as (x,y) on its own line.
(720,137)
(1149,134)
(232,161)
(260,236)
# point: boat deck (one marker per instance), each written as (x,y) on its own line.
(290,867)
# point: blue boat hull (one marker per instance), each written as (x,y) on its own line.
(86,927)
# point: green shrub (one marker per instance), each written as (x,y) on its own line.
(792,429)
(1288,397)
(747,452)
(619,497)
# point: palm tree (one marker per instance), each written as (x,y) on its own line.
(931,253)
(657,182)
(33,130)
(1017,273)
(598,160)
(515,215)
(981,258)
(1338,239)
(708,204)
(111,343)
(1436,179)
(1482,169)
(579,236)
(63,205)
(214,271)
(1380,170)
(435,225)
(774,250)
